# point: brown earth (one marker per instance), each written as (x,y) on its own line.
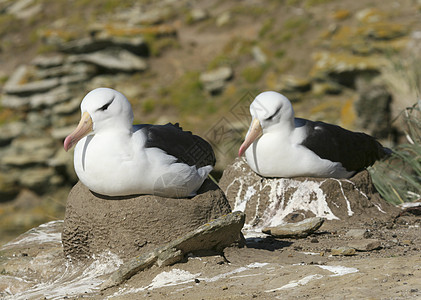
(391,272)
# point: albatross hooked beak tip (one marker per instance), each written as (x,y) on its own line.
(84,127)
(255,132)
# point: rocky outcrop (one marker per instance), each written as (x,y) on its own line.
(45,95)
(130,226)
(268,202)
(344,68)
(373,108)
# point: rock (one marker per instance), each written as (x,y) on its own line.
(343,251)
(113,60)
(24,9)
(373,108)
(214,80)
(68,107)
(50,61)
(38,179)
(38,122)
(35,260)
(10,131)
(365,244)
(28,152)
(291,84)
(344,68)
(52,97)
(15,102)
(259,55)
(32,144)
(410,208)
(268,202)
(383,31)
(295,230)
(9,187)
(63,163)
(32,87)
(135,45)
(130,226)
(18,83)
(341,14)
(83,70)
(197,15)
(370,15)
(358,234)
(327,87)
(61,132)
(154,16)
(223,19)
(215,235)
(25,160)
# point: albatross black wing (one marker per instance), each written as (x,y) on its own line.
(354,150)
(185,146)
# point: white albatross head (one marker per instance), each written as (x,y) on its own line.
(269,111)
(101,109)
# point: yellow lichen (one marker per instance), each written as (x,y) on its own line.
(348,115)
(341,14)
(158,30)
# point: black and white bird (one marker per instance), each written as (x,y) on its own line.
(279,145)
(116,158)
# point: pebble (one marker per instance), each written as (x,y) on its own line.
(343,251)
(223,19)
(365,245)
(358,233)
(259,55)
(295,230)
(198,15)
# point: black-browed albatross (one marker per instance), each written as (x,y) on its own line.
(280,145)
(115,158)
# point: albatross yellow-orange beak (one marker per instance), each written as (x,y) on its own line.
(254,132)
(84,127)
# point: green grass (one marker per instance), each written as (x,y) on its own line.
(266,27)
(185,94)
(253,74)
(398,179)
(297,24)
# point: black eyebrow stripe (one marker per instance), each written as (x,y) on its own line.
(105,106)
(275,113)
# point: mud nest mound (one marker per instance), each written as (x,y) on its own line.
(273,201)
(130,226)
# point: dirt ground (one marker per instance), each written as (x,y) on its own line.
(269,268)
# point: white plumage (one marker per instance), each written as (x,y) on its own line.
(280,145)
(112,157)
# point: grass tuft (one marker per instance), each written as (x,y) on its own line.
(398,179)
